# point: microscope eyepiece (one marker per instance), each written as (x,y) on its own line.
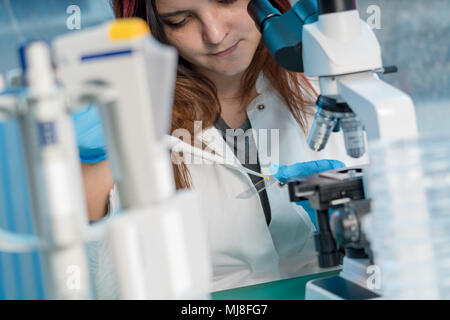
(261,11)
(282,33)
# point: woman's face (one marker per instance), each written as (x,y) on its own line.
(215,36)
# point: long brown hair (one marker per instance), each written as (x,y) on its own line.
(196,96)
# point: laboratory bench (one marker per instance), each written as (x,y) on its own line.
(287,289)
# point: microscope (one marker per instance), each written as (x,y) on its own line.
(328,39)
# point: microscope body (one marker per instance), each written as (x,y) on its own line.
(342,51)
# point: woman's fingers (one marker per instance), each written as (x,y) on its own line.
(302,169)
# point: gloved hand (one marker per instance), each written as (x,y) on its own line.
(89,132)
(303,169)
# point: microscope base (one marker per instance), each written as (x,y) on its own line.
(348,285)
(337,288)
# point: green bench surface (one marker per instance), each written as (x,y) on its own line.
(287,289)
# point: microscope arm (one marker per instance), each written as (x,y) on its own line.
(386,112)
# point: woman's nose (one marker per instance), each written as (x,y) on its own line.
(214,30)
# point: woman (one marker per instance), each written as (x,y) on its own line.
(227,80)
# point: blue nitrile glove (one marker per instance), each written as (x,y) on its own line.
(89,132)
(303,169)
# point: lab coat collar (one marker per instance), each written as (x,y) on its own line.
(261,84)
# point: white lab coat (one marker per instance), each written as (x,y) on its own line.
(244,250)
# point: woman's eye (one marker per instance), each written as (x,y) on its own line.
(175,25)
(227,1)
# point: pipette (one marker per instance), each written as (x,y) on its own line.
(258,187)
(177,145)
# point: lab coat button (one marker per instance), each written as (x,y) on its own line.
(261,107)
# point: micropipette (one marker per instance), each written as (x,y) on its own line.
(177,145)
(258,187)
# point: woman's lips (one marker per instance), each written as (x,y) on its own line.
(226,52)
